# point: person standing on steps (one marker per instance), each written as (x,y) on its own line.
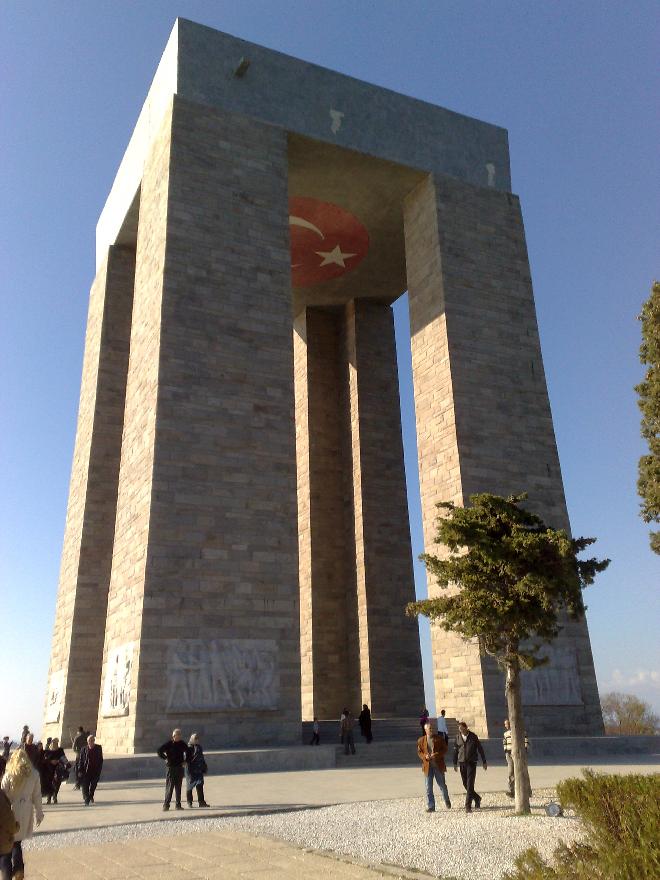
(431,750)
(90,764)
(316,732)
(442,726)
(175,753)
(364,720)
(466,750)
(195,770)
(347,723)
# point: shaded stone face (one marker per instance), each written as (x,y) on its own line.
(237,553)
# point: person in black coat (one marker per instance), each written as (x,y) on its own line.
(175,753)
(89,766)
(467,748)
(53,761)
(364,720)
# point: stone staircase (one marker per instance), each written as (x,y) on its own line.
(394,742)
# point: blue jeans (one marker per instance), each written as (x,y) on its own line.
(439,776)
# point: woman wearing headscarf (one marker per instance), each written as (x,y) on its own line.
(195,770)
(21,785)
(52,767)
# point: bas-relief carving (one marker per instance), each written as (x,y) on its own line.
(117,687)
(555,684)
(222,674)
(55,695)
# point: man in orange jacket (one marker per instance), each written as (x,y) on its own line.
(431,750)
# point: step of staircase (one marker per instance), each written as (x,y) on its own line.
(383,730)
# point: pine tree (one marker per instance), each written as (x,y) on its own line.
(648,483)
(511,578)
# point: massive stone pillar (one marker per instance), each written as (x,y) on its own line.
(390,659)
(75,667)
(330,673)
(203,619)
(484,425)
(355,555)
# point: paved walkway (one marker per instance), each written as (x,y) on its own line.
(228,853)
(118,803)
(214,855)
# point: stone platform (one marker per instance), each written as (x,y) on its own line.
(390,753)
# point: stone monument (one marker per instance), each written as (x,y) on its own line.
(237,550)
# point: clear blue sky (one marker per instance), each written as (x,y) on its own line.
(574,83)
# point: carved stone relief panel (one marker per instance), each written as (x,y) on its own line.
(55,697)
(214,674)
(555,684)
(117,685)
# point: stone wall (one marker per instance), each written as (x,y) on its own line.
(204,578)
(75,666)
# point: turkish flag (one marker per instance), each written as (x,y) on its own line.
(326,241)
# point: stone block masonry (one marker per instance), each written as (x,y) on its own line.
(483,419)
(205,544)
(75,667)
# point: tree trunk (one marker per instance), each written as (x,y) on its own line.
(518,752)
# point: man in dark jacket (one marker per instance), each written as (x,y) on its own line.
(89,766)
(175,752)
(466,749)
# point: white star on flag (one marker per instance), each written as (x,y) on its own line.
(335,256)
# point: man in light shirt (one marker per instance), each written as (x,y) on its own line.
(442,726)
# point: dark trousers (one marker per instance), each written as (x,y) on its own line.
(349,742)
(468,775)
(88,785)
(11,862)
(200,794)
(173,782)
(316,739)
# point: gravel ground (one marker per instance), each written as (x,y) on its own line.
(448,843)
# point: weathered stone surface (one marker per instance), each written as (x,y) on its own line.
(75,666)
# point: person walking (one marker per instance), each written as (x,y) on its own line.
(22,787)
(90,765)
(466,749)
(195,770)
(24,734)
(175,753)
(6,747)
(364,720)
(347,724)
(32,750)
(316,732)
(77,745)
(431,750)
(442,726)
(506,744)
(50,771)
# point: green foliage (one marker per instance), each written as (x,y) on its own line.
(515,575)
(627,715)
(648,482)
(622,818)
